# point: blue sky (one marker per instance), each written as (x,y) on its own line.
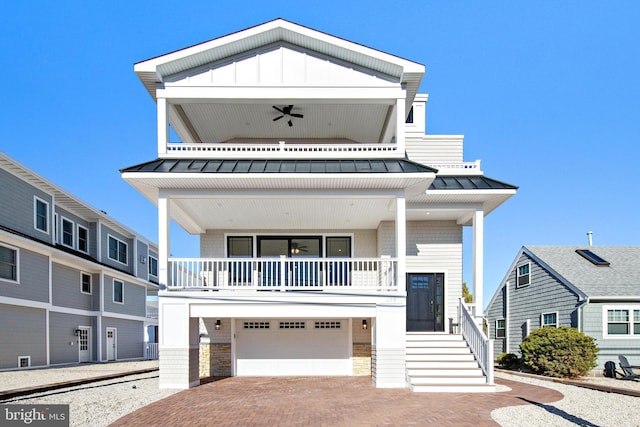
(546,93)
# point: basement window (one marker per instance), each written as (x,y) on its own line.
(593,258)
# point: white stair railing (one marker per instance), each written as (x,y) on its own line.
(481,346)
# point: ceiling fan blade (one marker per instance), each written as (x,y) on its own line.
(296,115)
(290,123)
(278,109)
(278,118)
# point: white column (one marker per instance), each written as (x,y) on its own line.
(400,119)
(163,126)
(178,345)
(164,247)
(401,239)
(478,259)
(388,368)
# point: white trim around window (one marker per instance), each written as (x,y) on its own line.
(549,319)
(501,325)
(118,291)
(119,252)
(621,321)
(85,283)
(10,264)
(67,232)
(153,266)
(41,223)
(523,275)
(82,241)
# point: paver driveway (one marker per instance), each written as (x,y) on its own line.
(327,401)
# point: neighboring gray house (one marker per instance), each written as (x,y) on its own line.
(73,282)
(595,289)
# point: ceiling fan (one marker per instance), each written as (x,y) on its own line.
(286,111)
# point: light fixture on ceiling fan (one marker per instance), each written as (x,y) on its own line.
(286,111)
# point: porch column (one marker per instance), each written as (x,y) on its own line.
(163,125)
(178,346)
(388,369)
(401,239)
(400,123)
(163,239)
(478,259)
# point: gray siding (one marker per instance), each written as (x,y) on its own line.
(495,311)
(17,210)
(33,276)
(104,243)
(135,298)
(67,289)
(129,336)
(76,221)
(23,333)
(143,254)
(63,342)
(594,324)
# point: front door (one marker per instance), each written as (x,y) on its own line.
(425,297)
(84,344)
(111,343)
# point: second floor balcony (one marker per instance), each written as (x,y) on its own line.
(352,275)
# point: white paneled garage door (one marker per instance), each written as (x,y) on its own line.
(292,347)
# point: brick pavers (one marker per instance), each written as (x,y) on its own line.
(327,401)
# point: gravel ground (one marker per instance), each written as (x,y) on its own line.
(580,406)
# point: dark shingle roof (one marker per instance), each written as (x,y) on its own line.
(280,166)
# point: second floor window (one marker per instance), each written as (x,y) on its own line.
(153,266)
(83,239)
(41,220)
(117,250)
(67,232)
(118,291)
(8,263)
(86,283)
(524,277)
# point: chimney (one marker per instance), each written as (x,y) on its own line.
(590,236)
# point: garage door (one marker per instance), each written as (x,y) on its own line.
(292,347)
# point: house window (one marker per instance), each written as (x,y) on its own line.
(117,250)
(549,319)
(153,266)
(67,233)
(623,321)
(8,263)
(83,239)
(41,215)
(85,283)
(118,291)
(501,325)
(524,276)
(240,246)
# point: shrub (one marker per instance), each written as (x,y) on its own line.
(559,352)
(508,360)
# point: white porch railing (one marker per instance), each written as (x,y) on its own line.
(481,346)
(322,274)
(150,350)
(281,149)
(459,168)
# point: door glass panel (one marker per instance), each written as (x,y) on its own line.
(240,246)
(305,248)
(273,247)
(338,247)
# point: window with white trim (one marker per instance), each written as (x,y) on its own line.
(118,291)
(524,275)
(9,263)
(117,250)
(67,232)
(153,266)
(83,239)
(623,321)
(85,283)
(41,215)
(501,328)
(549,319)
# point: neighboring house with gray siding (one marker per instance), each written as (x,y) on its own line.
(74,283)
(595,289)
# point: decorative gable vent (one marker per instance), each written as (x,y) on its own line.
(592,257)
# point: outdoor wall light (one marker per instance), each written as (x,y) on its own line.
(76,332)
(364,324)
(218,324)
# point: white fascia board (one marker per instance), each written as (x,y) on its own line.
(371,94)
(609,298)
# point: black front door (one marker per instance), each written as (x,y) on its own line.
(425,297)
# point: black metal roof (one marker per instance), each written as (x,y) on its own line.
(279,166)
(469,182)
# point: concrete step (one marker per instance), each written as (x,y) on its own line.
(453,388)
(441,364)
(436,343)
(445,372)
(448,380)
(465,357)
(438,350)
(423,336)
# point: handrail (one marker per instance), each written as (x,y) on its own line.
(348,274)
(481,346)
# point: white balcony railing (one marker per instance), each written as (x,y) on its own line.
(281,150)
(459,168)
(150,350)
(284,274)
(481,346)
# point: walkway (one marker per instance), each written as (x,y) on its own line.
(333,401)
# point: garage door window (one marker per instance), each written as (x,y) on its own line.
(256,325)
(327,325)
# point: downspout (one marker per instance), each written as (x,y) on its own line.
(506,316)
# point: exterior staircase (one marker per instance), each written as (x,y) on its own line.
(441,363)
